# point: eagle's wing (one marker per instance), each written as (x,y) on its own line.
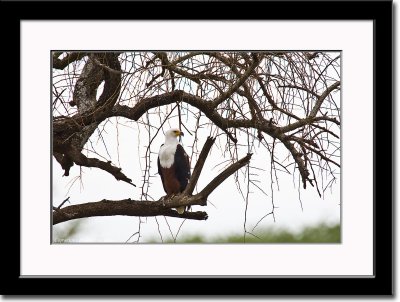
(182,166)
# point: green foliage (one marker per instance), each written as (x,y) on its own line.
(317,234)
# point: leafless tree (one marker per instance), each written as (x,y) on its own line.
(286,104)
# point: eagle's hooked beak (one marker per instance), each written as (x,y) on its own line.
(179,133)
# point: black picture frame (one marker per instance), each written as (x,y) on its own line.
(380,284)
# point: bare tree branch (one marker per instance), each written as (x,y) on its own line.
(307,121)
(81,160)
(112,79)
(318,104)
(199,166)
(224,175)
(68,59)
(124,207)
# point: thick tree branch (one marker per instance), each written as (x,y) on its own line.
(68,59)
(297,158)
(112,79)
(68,126)
(65,161)
(78,158)
(124,207)
(318,104)
(168,98)
(307,121)
(224,175)
(85,90)
(108,68)
(199,166)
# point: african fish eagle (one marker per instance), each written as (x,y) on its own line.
(173,165)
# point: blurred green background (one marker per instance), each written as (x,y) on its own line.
(316,234)
(321,233)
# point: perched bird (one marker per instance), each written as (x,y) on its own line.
(173,165)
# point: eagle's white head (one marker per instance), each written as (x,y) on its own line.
(168,149)
(172,134)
